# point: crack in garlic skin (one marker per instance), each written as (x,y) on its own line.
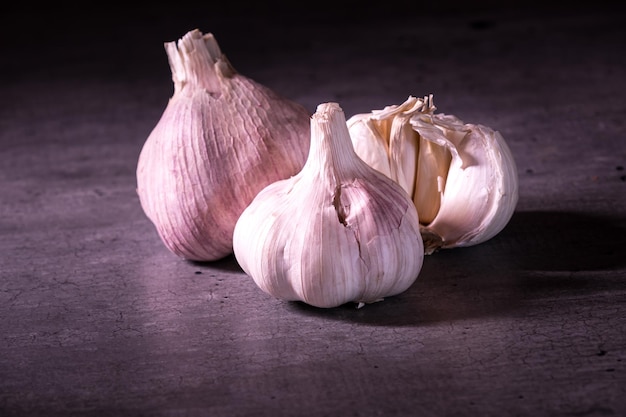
(340,209)
(355,234)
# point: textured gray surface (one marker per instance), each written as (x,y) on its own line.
(98,318)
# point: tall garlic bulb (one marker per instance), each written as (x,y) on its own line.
(462,177)
(221,139)
(338,231)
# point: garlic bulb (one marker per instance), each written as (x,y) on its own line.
(462,177)
(337,232)
(221,139)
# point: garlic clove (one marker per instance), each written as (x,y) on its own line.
(337,232)
(481,190)
(221,138)
(386,139)
(462,177)
(376,148)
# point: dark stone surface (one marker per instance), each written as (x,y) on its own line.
(98,318)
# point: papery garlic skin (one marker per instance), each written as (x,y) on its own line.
(481,190)
(220,140)
(462,177)
(337,232)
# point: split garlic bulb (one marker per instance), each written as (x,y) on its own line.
(221,139)
(462,177)
(337,232)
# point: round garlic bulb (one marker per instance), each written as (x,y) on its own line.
(337,232)
(221,139)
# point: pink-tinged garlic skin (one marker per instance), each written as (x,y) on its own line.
(337,232)
(221,139)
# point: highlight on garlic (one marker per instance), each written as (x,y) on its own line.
(221,138)
(337,232)
(462,177)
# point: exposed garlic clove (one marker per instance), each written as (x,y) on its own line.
(337,232)
(221,139)
(462,177)
(481,190)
